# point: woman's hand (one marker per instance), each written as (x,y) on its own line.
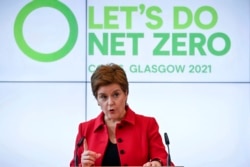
(152,163)
(88,157)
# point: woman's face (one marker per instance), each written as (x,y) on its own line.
(112,101)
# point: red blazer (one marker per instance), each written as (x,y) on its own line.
(138,139)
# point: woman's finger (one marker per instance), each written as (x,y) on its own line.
(85,144)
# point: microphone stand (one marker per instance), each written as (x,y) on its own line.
(167,143)
(79,143)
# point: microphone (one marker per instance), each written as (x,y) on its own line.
(78,144)
(167,143)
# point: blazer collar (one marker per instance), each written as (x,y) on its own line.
(129,118)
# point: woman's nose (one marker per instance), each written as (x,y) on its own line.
(110,100)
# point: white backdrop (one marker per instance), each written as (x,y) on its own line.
(206,113)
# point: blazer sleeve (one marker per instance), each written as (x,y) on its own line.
(157,148)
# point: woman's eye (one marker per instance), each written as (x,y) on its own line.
(103,97)
(116,94)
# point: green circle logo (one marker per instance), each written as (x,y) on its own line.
(45,57)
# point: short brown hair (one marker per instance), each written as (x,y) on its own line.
(109,74)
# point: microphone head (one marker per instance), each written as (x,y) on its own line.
(80,142)
(166,138)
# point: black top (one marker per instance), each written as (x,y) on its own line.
(111,156)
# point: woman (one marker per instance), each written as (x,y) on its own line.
(117,136)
